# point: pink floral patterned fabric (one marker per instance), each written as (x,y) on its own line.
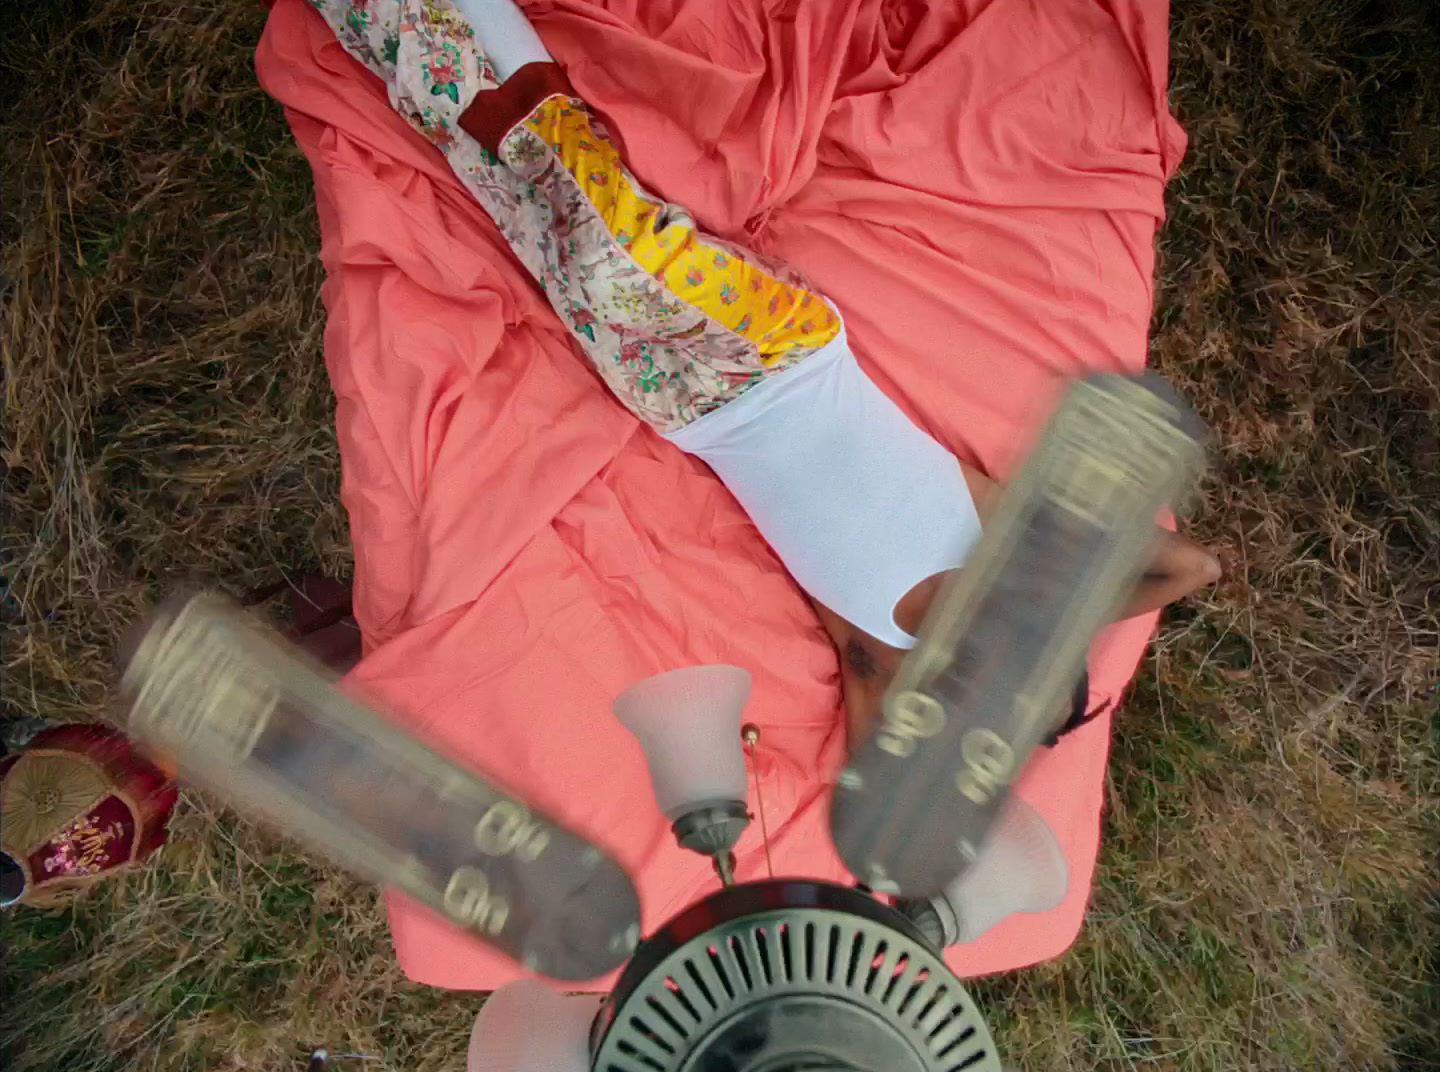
(663,358)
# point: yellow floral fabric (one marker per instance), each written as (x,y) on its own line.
(775,316)
(676,323)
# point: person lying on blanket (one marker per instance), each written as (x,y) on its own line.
(725,353)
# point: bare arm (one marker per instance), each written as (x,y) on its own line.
(1180,566)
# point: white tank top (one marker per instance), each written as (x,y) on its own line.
(859,503)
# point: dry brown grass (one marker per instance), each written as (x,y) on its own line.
(1267,898)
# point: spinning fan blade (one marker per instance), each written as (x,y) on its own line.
(1006,638)
(244,714)
(527,1027)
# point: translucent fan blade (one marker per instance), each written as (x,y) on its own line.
(527,1027)
(245,714)
(688,723)
(1005,641)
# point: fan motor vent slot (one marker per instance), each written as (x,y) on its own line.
(901,970)
(965,1036)
(971,1061)
(878,958)
(762,949)
(701,988)
(675,1030)
(832,956)
(737,950)
(644,1030)
(628,1049)
(717,964)
(789,940)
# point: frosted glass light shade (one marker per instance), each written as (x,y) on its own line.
(527,1027)
(1020,868)
(688,723)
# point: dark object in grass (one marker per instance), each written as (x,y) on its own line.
(79,803)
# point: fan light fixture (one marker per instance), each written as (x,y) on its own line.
(688,724)
(525,1026)
(1020,868)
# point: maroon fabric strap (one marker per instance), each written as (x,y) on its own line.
(324,623)
(494,112)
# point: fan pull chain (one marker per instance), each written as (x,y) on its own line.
(750,734)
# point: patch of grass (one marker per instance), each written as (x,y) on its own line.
(1267,894)
(232,951)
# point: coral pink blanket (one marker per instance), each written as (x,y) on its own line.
(977,184)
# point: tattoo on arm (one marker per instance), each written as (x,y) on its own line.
(859,659)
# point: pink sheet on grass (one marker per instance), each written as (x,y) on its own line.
(976,184)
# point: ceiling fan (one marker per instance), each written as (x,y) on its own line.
(783,975)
